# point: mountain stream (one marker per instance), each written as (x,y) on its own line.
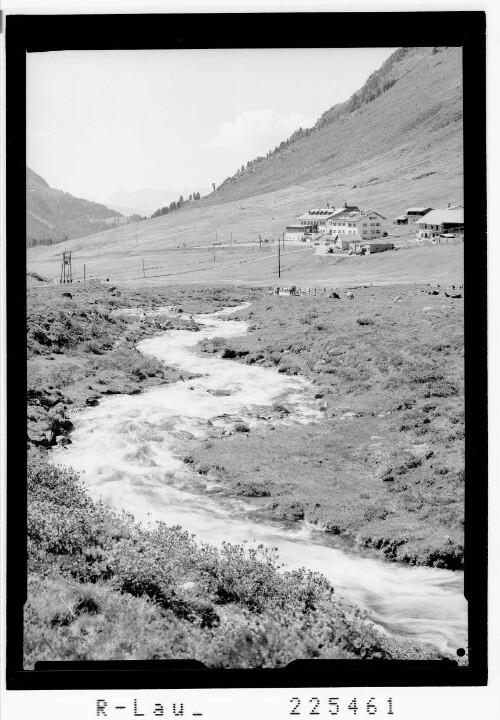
(125,447)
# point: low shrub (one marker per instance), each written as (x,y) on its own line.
(120,591)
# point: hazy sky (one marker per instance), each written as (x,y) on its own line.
(101,121)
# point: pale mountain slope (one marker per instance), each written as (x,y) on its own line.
(412,128)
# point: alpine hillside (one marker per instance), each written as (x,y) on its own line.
(53,215)
(403,126)
(396,143)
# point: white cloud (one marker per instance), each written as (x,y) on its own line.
(259,130)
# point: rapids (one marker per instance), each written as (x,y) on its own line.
(125,447)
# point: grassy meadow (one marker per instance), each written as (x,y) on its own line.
(385,467)
(248,265)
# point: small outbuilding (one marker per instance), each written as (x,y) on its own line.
(375,247)
(343,241)
(296,233)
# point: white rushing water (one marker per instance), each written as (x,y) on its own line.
(125,448)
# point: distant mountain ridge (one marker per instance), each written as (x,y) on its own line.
(53,215)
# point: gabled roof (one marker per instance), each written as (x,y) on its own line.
(443,215)
(371,212)
(345,214)
(418,209)
(346,236)
(318,213)
(346,210)
(355,216)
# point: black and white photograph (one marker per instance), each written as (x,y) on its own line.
(244,355)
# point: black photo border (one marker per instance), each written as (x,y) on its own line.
(42,33)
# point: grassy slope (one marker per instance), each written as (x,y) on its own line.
(101,588)
(386,465)
(402,149)
(414,128)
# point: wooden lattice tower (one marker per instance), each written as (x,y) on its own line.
(66,271)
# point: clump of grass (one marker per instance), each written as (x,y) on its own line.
(130,361)
(241,427)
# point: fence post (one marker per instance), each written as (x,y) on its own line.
(143,270)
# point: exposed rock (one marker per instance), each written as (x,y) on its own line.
(332,528)
(37,437)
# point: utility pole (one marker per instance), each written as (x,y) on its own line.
(213,248)
(279,259)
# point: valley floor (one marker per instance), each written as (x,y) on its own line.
(385,468)
(248,265)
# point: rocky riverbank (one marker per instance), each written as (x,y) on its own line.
(82,348)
